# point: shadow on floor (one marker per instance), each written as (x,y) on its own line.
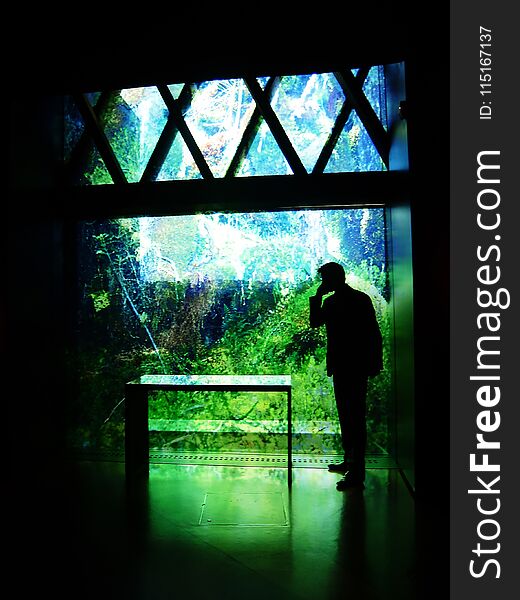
(220,532)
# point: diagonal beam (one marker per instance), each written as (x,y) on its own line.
(339,124)
(250,131)
(77,162)
(275,126)
(178,119)
(362,106)
(95,130)
(167,137)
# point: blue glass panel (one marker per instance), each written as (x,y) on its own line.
(375,91)
(73,126)
(262,81)
(93,97)
(217,117)
(179,163)
(264,156)
(307,107)
(354,150)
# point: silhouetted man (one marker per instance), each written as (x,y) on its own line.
(354,352)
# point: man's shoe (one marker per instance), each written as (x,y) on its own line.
(341,467)
(350,481)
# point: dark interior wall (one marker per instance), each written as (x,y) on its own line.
(36,292)
(428,137)
(428,122)
(38,483)
(400,250)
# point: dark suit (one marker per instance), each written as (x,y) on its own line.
(354,352)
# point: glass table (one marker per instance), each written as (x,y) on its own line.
(136,408)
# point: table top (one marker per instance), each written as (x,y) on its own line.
(215,382)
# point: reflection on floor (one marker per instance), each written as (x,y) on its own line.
(199,531)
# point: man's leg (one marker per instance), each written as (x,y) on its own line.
(341,393)
(350,393)
(358,426)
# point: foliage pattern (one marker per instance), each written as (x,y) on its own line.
(209,316)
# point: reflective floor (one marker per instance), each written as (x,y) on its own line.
(228,532)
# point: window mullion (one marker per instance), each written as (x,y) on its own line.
(366,113)
(95,130)
(166,138)
(77,162)
(341,120)
(275,126)
(180,123)
(251,130)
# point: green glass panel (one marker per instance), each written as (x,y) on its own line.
(133,124)
(220,421)
(175,89)
(307,107)
(264,156)
(96,172)
(179,163)
(217,117)
(354,150)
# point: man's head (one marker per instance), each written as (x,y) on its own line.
(332,276)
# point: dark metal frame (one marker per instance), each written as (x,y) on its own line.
(355,99)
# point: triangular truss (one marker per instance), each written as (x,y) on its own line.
(95,138)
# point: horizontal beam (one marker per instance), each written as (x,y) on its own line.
(238,194)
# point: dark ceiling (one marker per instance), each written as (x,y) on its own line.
(91,53)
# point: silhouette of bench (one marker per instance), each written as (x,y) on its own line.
(137,451)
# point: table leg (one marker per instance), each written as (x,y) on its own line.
(136,432)
(289,436)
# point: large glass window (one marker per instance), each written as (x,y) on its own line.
(220,293)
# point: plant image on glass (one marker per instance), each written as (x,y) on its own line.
(225,294)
